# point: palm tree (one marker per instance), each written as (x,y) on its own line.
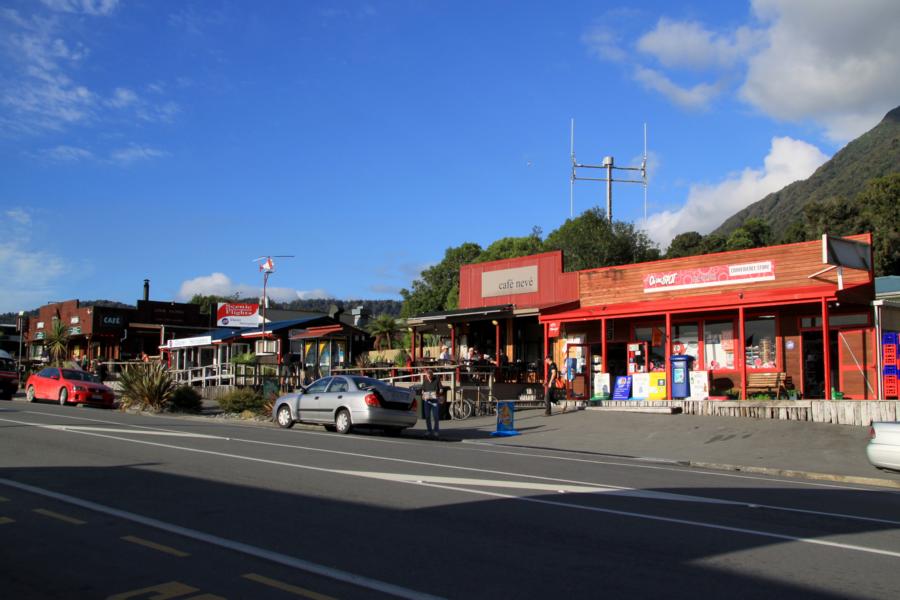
(57,341)
(384,328)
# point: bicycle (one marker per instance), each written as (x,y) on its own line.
(483,405)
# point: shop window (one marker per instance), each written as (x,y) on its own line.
(325,358)
(685,341)
(339,353)
(655,336)
(718,344)
(759,345)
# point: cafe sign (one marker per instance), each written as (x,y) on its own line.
(522,280)
(688,279)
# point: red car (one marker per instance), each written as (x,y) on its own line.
(68,386)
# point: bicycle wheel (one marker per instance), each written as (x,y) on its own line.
(461,409)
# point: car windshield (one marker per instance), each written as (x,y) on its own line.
(74,375)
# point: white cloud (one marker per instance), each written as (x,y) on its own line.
(708,206)
(219,284)
(122,97)
(64,153)
(88,7)
(696,97)
(689,44)
(28,274)
(835,65)
(604,43)
(135,153)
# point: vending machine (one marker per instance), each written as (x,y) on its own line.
(637,357)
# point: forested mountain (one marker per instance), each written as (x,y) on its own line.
(874,154)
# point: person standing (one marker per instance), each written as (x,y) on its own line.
(432,394)
(550,384)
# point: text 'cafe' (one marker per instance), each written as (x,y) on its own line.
(790,321)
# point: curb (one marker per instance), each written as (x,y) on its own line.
(855,479)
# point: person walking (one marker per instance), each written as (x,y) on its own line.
(432,395)
(550,384)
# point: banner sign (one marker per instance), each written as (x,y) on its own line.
(238,315)
(522,280)
(622,391)
(686,279)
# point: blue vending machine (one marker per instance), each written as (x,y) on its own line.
(681,379)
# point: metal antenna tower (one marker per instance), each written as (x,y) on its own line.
(609,165)
(267,266)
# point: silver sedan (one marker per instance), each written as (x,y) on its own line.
(343,402)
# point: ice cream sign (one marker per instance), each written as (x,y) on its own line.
(686,279)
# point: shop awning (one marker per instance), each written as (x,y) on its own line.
(316,332)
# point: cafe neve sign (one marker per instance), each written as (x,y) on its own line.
(521,280)
(686,279)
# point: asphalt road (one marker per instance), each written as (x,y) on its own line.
(98,504)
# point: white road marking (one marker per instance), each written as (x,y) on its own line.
(622,490)
(81,428)
(277,557)
(414,479)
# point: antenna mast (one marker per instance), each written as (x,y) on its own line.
(609,165)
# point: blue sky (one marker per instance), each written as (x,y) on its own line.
(177,141)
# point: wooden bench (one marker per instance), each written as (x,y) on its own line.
(775,384)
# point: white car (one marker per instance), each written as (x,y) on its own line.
(883,450)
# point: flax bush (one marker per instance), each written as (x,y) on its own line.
(146,387)
(242,399)
(186,399)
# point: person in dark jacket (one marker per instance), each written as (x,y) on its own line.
(550,384)
(432,397)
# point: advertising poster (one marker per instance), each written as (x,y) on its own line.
(238,315)
(657,389)
(640,386)
(699,385)
(623,388)
(601,385)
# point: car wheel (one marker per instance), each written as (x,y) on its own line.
(342,423)
(29,393)
(63,396)
(283,416)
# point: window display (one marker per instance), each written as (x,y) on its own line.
(718,344)
(685,341)
(759,345)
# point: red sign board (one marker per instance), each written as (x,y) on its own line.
(553,327)
(238,315)
(685,279)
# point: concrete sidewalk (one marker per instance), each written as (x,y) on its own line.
(783,448)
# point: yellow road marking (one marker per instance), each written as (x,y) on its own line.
(155,546)
(6,520)
(286,587)
(163,591)
(59,517)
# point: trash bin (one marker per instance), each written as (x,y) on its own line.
(681,378)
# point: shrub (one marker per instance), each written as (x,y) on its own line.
(186,399)
(145,386)
(241,399)
(247,358)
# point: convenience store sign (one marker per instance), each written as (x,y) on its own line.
(687,279)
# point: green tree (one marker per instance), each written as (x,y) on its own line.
(209,304)
(513,247)
(689,243)
(713,243)
(56,339)
(834,216)
(590,241)
(796,232)
(385,329)
(433,290)
(879,205)
(754,233)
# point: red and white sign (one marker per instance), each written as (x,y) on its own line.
(686,279)
(553,329)
(238,315)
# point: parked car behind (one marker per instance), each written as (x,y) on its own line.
(883,450)
(9,378)
(68,386)
(343,402)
